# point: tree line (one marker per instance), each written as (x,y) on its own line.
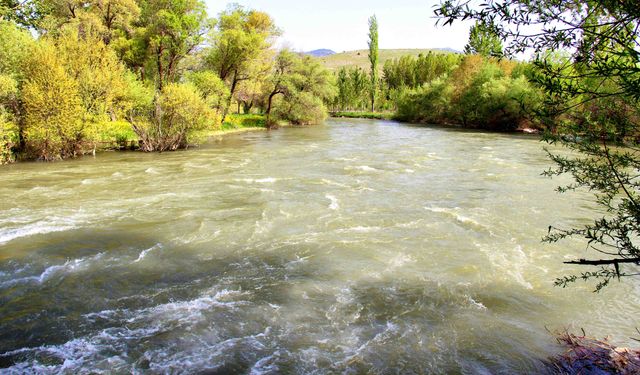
(478,89)
(74,74)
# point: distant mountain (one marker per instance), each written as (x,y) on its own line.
(451,50)
(320,53)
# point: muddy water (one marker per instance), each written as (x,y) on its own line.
(353,247)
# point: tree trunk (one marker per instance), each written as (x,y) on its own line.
(160,68)
(268,112)
(234,84)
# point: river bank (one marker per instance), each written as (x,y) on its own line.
(393,116)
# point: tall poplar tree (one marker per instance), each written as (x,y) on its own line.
(373,58)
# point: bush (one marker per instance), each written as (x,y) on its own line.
(429,104)
(180,114)
(301,108)
(53,126)
(8,139)
(479,94)
(212,88)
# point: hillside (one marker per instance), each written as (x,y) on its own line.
(359,57)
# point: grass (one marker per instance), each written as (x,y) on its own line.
(360,57)
(235,122)
(368,115)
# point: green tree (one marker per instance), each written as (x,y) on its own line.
(240,40)
(9,132)
(53,108)
(483,41)
(26,13)
(281,80)
(178,115)
(602,40)
(212,88)
(173,29)
(302,84)
(373,59)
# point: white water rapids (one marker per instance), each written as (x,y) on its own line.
(353,247)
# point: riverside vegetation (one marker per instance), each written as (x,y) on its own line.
(160,73)
(163,76)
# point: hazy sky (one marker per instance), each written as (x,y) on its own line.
(341,25)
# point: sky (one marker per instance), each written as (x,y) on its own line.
(341,25)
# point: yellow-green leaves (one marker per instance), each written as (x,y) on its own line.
(180,114)
(52,125)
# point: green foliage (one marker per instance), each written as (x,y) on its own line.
(116,131)
(373,59)
(301,85)
(213,89)
(301,108)
(172,29)
(8,139)
(52,125)
(411,72)
(15,47)
(100,76)
(179,116)
(588,71)
(367,115)
(240,41)
(427,104)
(479,93)
(483,41)
(26,13)
(352,89)
(235,121)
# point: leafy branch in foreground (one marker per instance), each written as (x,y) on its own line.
(587,61)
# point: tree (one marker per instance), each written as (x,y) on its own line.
(601,73)
(280,82)
(178,114)
(100,76)
(483,41)
(240,40)
(373,58)
(53,109)
(172,30)
(9,133)
(26,13)
(303,84)
(212,88)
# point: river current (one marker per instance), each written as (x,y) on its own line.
(352,247)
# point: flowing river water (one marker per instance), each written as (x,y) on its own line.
(353,247)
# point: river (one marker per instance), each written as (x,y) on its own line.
(353,247)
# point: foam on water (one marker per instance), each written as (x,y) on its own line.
(97,349)
(267,180)
(460,218)
(52,225)
(362,168)
(334,202)
(70,266)
(144,253)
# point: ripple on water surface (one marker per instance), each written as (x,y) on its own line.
(355,247)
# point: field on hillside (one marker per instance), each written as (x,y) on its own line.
(359,57)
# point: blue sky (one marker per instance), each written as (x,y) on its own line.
(341,25)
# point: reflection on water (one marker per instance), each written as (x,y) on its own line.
(359,246)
